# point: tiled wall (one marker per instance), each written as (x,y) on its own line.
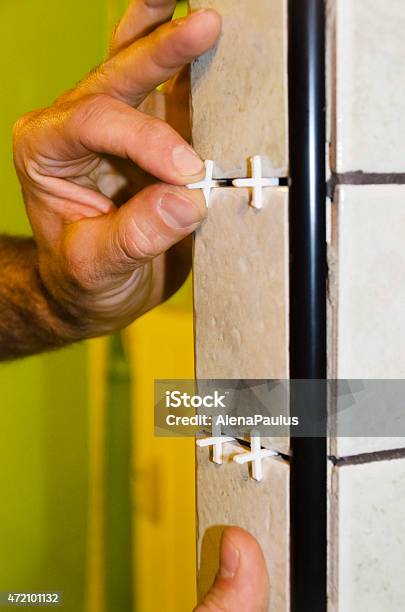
(226,495)
(241,278)
(241,267)
(366,108)
(240,107)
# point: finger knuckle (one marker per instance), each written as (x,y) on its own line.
(24,136)
(23,126)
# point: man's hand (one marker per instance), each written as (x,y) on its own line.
(93,150)
(242,583)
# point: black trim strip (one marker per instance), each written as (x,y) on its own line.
(308,297)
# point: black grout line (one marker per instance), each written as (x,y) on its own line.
(357,177)
(227,182)
(372,457)
(364,178)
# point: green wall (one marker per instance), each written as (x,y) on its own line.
(45,46)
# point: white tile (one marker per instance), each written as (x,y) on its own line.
(367,297)
(226,495)
(367,541)
(345,446)
(368,66)
(239,90)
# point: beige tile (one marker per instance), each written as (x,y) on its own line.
(367,545)
(241,290)
(227,496)
(239,90)
(241,287)
(367,298)
(368,66)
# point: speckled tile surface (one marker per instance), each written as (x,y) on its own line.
(367,295)
(241,287)
(367,544)
(226,495)
(367,105)
(239,90)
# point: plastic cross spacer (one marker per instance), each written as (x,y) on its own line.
(208,183)
(255,456)
(217,440)
(256,182)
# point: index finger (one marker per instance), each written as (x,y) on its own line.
(134,72)
(141,17)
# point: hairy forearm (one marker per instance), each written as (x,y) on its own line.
(31,320)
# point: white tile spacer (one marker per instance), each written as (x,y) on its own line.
(208,183)
(217,440)
(256,182)
(255,456)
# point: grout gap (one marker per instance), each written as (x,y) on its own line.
(246,444)
(227,182)
(359,177)
(372,457)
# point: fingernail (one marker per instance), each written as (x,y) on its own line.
(187,161)
(230,558)
(179,212)
(182,20)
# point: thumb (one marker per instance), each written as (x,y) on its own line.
(146,226)
(123,240)
(155,219)
(242,583)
